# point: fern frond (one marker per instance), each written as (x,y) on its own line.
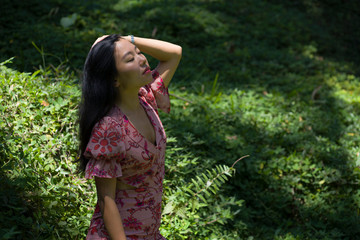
(211,181)
(186,200)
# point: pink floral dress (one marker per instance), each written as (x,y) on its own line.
(117,150)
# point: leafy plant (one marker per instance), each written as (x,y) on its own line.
(43,192)
(198,205)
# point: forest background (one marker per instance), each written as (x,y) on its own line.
(277,81)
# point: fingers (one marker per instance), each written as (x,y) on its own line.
(99,39)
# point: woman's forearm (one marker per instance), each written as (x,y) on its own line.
(112,218)
(106,188)
(161,50)
(168,54)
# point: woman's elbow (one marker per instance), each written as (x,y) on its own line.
(177,54)
(179,51)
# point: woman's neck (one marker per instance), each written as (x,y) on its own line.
(128,101)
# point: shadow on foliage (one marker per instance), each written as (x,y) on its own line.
(336,31)
(17,212)
(304,188)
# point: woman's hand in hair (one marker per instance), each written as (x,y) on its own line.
(98,40)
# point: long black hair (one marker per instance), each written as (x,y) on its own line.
(98,91)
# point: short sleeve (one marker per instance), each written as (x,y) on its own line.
(156,94)
(105,150)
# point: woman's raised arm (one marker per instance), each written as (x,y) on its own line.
(168,54)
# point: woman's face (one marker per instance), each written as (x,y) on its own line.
(132,66)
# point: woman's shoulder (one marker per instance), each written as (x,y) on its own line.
(111,120)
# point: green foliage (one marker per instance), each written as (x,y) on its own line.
(276,80)
(197,209)
(43,196)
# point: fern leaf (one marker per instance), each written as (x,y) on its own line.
(190,191)
(202,198)
(207,193)
(222,178)
(200,180)
(205,177)
(216,182)
(213,190)
(195,183)
(215,187)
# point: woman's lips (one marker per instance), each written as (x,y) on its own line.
(147,70)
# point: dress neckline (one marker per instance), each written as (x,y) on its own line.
(151,119)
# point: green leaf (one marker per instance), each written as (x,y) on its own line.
(68,21)
(169,207)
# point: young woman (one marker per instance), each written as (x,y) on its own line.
(122,140)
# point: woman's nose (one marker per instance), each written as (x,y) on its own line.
(142,59)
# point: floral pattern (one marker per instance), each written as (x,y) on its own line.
(104,140)
(132,222)
(135,179)
(117,150)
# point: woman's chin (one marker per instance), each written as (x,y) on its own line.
(148,78)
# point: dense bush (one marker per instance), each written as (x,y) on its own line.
(43,197)
(277,81)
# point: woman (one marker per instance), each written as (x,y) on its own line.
(122,140)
